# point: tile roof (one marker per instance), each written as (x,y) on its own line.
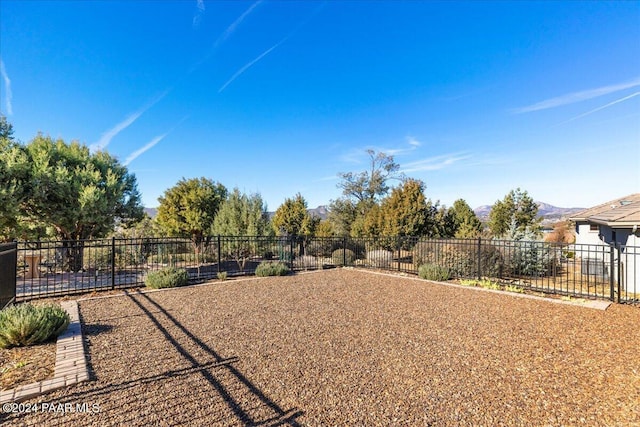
(624,211)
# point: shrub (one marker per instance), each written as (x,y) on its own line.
(167,278)
(434,272)
(380,258)
(222,275)
(28,324)
(339,256)
(461,258)
(529,258)
(266,268)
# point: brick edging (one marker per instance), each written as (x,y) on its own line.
(70,367)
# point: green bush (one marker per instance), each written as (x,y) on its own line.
(27,324)
(266,268)
(434,272)
(167,278)
(222,275)
(461,257)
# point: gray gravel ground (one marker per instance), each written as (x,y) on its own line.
(345,347)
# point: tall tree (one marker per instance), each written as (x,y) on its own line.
(466,223)
(518,208)
(291,218)
(370,185)
(361,192)
(407,212)
(14,179)
(78,194)
(189,208)
(242,216)
(342,215)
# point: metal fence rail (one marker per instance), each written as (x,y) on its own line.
(587,271)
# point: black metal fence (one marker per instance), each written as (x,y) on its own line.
(8,262)
(587,271)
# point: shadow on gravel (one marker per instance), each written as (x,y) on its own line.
(278,416)
(92,330)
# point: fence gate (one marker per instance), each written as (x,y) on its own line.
(8,270)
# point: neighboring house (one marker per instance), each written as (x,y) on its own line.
(615,222)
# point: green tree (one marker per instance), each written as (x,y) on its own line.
(242,216)
(342,214)
(325,229)
(517,207)
(361,192)
(14,179)
(443,223)
(77,194)
(407,212)
(6,129)
(372,184)
(369,224)
(466,223)
(292,219)
(188,209)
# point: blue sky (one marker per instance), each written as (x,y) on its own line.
(278,97)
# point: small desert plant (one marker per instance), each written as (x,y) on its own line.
(516,289)
(380,258)
(488,284)
(266,268)
(222,275)
(343,257)
(167,278)
(434,272)
(28,324)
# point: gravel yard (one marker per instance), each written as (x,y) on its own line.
(345,347)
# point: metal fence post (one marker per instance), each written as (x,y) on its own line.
(113,263)
(290,257)
(612,261)
(479,258)
(344,251)
(619,268)
(219,256)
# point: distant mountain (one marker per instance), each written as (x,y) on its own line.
(152,212)
(321,212)
(548,212)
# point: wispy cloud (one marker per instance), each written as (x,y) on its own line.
(434,163)
(625,98)
(7,88)
(413,145)
(574,97)
(145,148)
(199,12)
(359,155)
(224,36)
(150,144)
(251,63)
(106,137)
(266,52)
(231,28)
(413,142)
